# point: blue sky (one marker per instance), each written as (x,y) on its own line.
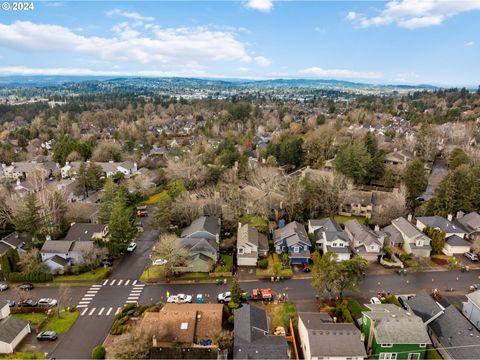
(398,41)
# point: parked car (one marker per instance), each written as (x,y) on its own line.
(25,286)
(28,303)
(179,299)
(471,256)
(142,211)
(47,302)
(131,247)
(47,335)
(225,297)
(3,286)
(261,295)
(159,262)
(10,303)
(107,261)
(375,300)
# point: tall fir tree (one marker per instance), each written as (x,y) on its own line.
(106,201)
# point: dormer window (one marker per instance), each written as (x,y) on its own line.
(240,251)
(419,243)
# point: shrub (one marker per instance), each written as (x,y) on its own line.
(392,300)
(98,352)
(262,263)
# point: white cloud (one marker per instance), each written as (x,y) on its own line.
(339,73)
(262,61)
(413,14)
(129,15)
(260,5)
(166,46)
(352,15)
(469,43)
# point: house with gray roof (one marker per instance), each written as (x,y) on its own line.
(471,223)
(203,254)
(204,227)
(12,330)
(325,339)
(14,241)
(451,333)
(72,252)
(471,308)
(293,239)
(87,232)
(414,241)
(250,245)
(364,241)
(454,244)
(253,338)
(330,237)
(393,333)
(440,223)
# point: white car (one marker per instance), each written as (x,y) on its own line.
(179,299)
(224,297)
(375,300)
(47,302)
(131,247)
(159,262)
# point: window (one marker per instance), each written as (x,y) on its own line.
(240,251)
(387,345)
(296,249)
(388,356)
(414,356)
(373,247)
(419,243)
(423,345)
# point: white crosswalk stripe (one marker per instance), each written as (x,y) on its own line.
(92,311)
(82,306)
(109,311)
(105,282)
(101,311)
(134,282)
(131,302)
(119,282)
(118,311)
(84,302)
(127,282)
(112,282)
(84,312)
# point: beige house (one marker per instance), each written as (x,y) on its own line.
(12,330)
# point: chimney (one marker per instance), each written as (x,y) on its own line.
(450,217)
(377,228)
(395,149)
(239,225)
(409,217)
(460,214)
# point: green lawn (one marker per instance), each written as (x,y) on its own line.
(153,273)
(34,318)
(61,324)
(354,307)
(281,313)
(228,261)
(23,355)
(193,275)
(343,219)
(274,268)
(94,275)
(155,198)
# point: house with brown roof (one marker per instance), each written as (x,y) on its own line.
(185,324)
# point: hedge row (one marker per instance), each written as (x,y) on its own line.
(31,277)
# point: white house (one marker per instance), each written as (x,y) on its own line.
(127,168)
(250,245)
(471,308)
(440,223)
(330,237)
(12,330)
(365,242)
(58,253)
(414,241)
(455,245)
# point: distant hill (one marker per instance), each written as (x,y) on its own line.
(71,82)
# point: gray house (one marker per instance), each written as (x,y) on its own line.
(414,241)
(252,338)
(57,254)
(12,330)
(364,241)
(250,245)
(451,333)
(471,308)
(205,227)
(471,223)
(440,223)
(321,338)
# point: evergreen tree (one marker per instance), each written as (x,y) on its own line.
(354,161)
(81,180)
(28,219)
(415,178)
(106,201)
(120,225)
(236,292)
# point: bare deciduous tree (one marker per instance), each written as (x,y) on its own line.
(168,249)
(29,259)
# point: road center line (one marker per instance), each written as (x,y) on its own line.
(92,311)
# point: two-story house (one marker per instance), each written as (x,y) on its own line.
(440,223)
(330,237)
(471,308)
(392,333)
(57,254)
(471,223)
(364,241)
(293,239)
(414,241)
(250,245)
(321,338)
